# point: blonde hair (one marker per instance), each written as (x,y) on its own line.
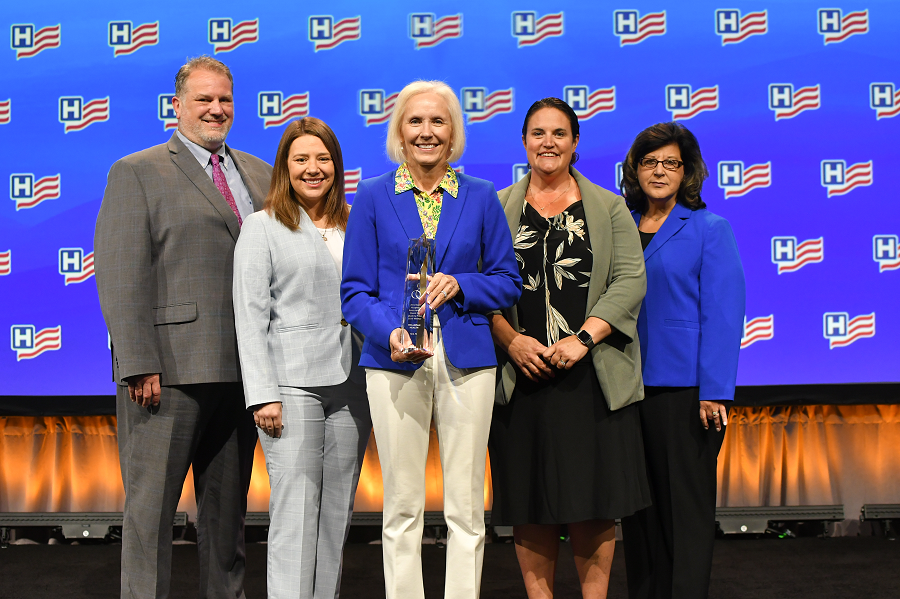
(458,130)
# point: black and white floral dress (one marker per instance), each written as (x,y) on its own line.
(558,454)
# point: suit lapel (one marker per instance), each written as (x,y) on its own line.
(451,210)
(673,223)
(189,165)
(598,226)
(250,182)
(405,206)
(513,207)
(515,204)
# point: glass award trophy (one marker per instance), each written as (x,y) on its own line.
(417,316)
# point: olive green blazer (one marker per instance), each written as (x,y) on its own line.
(615,292)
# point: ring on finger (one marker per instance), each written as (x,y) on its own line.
(562,363)
(444,293)
(715,414)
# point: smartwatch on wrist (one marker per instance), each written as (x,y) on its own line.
(586,339)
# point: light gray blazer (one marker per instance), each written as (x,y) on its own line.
(163,247)
(287,309)
(617,287)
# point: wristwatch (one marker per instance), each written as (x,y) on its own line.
(586,339)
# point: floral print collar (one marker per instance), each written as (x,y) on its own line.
(403,181)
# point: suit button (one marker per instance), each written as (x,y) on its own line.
(343,322)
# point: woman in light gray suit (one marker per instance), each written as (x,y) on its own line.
(300,361)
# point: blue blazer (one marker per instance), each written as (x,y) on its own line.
(472,229)
(692,318)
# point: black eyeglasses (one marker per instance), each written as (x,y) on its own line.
(669,164)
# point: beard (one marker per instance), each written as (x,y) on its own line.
(198,132)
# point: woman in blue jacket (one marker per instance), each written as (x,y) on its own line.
(475,273)
(690,328)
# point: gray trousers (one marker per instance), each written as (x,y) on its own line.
(313,471)
(205,426)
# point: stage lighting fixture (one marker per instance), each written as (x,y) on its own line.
(885,513)
(74,525)
(755,520)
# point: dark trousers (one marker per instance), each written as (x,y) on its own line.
(205,426)
(668,546)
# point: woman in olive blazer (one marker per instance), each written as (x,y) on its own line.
(565,441)
(614,294)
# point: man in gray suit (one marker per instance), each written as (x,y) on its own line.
(164,247)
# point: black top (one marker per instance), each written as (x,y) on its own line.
(645,239)
(555,263)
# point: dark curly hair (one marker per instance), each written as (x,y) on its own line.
(563,108)
(654,138)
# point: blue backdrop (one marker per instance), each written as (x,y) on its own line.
(796,106)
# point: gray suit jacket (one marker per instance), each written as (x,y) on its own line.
(287,307)
(616,288)
(163,251)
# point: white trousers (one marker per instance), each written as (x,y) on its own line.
(402,405)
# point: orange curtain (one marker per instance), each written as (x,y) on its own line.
(811,455)
(803,455)
(71,464)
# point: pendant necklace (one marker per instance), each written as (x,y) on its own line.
(545,206)
(324,231)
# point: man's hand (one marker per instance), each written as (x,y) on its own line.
(268,418)
(143,389)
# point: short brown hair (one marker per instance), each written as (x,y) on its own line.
(654,138)
(282,200)
(204,62)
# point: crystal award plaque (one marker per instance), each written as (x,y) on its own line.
(417,316)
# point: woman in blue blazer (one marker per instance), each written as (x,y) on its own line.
(475,273)
(690,328)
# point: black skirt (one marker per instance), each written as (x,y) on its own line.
(559,455)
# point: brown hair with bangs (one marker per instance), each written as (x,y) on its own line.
(654,138)
(282,200)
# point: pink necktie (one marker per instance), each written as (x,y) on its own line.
(222,185)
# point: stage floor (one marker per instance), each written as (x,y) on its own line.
(808,568)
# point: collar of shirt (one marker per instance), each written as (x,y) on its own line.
(403,181)
(202,154)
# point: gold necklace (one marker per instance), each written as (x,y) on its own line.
(323,231)
(544,207)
